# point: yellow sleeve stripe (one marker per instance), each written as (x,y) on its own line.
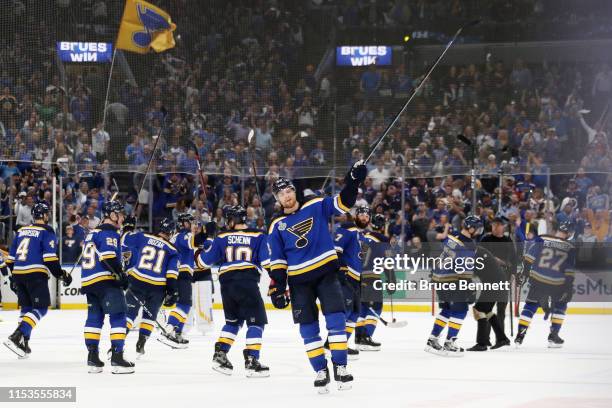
(352,275)
(105,257)
(341,204)
(278,266)
(50,258)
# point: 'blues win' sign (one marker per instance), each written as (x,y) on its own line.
(362,55)
(85,51)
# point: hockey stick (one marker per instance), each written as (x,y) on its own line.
(164,113)
(418,88)
(395,324)
(159,326)
(251,138)
(511,311)
(197,155)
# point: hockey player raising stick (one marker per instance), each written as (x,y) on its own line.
(348,245)
(32,256)
(454,303)
(240,254)
(152,277)
(550,265)
(303,256)
(103,282)
(184,241)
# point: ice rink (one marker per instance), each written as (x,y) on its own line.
(401,375)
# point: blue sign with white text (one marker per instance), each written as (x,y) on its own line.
(363,55)
(85,51)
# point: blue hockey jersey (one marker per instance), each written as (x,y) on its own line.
(552,260)
(184,242)
(100,244)
(33,246)
(155,260)
(374,245)
(129,243)
(240,254)
(301,246)
(348,245)
(457,260)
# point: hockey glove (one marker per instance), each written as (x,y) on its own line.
(66,278)
(279,296)
(122,279)
(358,173)
(171,296)
(12,284)
(211,229)
(567,292)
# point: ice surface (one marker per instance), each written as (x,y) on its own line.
(401,375)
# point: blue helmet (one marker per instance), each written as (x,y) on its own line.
(111,207)
(167,226)
(185,217)
(39,210)
(472,221)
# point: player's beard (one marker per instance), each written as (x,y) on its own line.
(360,223)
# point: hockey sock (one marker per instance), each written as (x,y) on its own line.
(227,336)
(147,323)
(440,322)
(93,328)
(527,314)
(178,316)
(455,322)
(146,327)
(336,328)
(350,328)
(253,340)
(314,345)
(30,319)
(118,331)
(369,323)
(558,315)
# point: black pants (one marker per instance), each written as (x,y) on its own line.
(486,323)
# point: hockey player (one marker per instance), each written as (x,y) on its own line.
(375,245)
(184,241)
(348,245)
(240,254)
(103,281)
(32,256)
(499,255)
(303,256)
(454,303)
(550,264)
(152,278)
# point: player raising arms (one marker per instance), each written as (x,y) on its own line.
(32,256)
(240,254)
(184,241)
(303,256)
(151,278)
(103,281)
(550,265)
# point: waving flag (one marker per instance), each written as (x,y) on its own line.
(145,27)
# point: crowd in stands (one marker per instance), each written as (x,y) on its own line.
(238,67)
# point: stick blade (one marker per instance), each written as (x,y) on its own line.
(398,324)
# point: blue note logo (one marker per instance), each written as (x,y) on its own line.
(152,22)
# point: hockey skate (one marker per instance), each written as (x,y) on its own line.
(520,336)
(171,339)
(220,362)
(253,367)
(120,365)
(321,382)
(94,364)
(17,344)
(367,344)
(343,379)
(554,341)
(140,351)
(434,347)
(452,349)
(352,354)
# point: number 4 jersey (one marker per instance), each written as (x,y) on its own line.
(32,250)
